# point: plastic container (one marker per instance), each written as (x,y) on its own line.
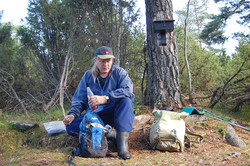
(89,94)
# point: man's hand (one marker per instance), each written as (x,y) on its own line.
(97,100)
(68,119)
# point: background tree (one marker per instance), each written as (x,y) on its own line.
(230,84)
(186,58)
(205,67)
(197,17)
(163,88)
(47,39)
(214,30)
(61,37)
(13,74)
(233,88)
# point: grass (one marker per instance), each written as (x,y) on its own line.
(226,112)
(36,147)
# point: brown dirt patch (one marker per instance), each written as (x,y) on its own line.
(213,150)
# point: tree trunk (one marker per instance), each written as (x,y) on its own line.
(163,87)
(64,77)
(186,58)
(66,71)
(145,69)
(119,33)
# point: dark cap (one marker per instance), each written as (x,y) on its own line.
(104,52)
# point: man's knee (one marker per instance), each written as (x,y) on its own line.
(72,131)
(126,100)
(126,103)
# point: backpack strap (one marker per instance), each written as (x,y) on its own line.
(71,157)
(201,136)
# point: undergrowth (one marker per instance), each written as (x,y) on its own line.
(14,144)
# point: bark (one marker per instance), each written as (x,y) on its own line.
(163,87)
(145,69)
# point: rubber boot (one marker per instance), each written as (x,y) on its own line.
(122,145)
(111,135)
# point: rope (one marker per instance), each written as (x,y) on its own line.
(216,117)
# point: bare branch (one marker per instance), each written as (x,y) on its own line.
(38,101)
(53,99)
(212,104)
(186,58)
(66,70)
(237,108)
(10,86)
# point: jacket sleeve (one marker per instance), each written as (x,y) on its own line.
(80,100)
(125,87)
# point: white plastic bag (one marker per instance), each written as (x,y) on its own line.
(54,127)
(168,130)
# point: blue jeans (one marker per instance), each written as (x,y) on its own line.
(119,115)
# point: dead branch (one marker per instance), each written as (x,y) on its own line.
(119,33)
(214,101)
(240,102)
(53,99)
(236,93)
(237,98)
(36,100)
(66,71)
(240,80)
(20,102)
(64,77)
(214,95)
(186,58)
(10,86)
(203,97)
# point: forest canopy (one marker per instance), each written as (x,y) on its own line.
(43,61)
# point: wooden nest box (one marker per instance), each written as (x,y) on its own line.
(163,26)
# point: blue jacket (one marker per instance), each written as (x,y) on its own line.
(118,85)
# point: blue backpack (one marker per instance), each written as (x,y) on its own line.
(92,138)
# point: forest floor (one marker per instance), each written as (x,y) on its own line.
(39,148)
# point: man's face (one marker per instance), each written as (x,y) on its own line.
(104,65)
